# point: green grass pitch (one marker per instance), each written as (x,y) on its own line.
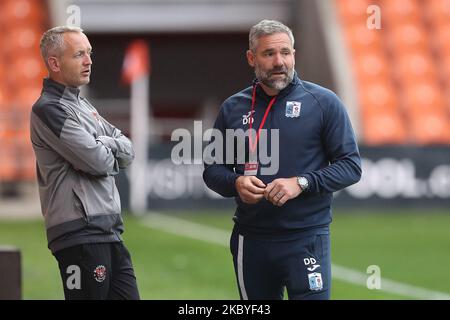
(410,247)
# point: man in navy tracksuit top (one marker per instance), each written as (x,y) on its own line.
(281,234)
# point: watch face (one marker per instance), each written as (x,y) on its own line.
(303,182)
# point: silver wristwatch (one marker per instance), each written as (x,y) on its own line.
(303,183)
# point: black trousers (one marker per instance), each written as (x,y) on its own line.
(264,268)
(97,271)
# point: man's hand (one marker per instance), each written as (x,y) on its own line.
(281,190)
(108,142)
(250,189)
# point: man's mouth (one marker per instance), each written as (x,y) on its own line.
(86,72)
(278,73)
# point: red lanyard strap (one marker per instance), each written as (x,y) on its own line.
(253,146)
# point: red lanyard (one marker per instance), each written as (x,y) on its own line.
(253,146)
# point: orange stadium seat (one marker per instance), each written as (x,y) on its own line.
(24,39)
(376,96)
(371,67)
(441,38)
(402,71)
(8,169)
(4,96)
(437,11)
(407,37)
(401,11)
(413,67)
(447,99)
(383,127)
(3,18)
(444,68)
(28,168)
(360,38)
(28,70)
(430,127)
(2,37)
(21,73)
(27,96)
(26,158)
(423,96)
(352,11)
(19,12)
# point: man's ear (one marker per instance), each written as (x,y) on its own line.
(251,58)
(53,64)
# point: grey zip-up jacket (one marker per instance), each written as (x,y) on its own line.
(77,154)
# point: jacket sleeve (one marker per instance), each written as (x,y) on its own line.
(341,149)
(62,131)
(120,145)
(217,175)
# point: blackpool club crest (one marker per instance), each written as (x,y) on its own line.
(96,117)
(100,273)
(293,109)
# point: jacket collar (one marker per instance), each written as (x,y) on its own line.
(59,89)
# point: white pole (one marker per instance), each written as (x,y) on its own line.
(140,122)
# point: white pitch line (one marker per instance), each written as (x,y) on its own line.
(220,237)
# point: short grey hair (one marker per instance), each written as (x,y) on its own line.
(266,28)
(52,41)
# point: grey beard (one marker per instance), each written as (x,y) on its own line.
(275,84)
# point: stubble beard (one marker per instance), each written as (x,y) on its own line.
(277,84)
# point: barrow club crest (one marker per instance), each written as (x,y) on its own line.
(315,281)
(293,109)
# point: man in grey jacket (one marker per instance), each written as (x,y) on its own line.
(78,153)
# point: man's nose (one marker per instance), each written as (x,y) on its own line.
(88,60)
(278,60)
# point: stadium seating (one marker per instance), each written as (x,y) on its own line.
(444,70)
(352,11)
(378,95)
(21,73)
(406,38)
(440,39)
(24,12)
(438,11)
(415,66)
(383,128)
(429,127)
(424,95)
(400,11)
(371,67)
(362,39)
(402,71)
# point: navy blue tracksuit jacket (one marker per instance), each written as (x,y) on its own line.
(319,144)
